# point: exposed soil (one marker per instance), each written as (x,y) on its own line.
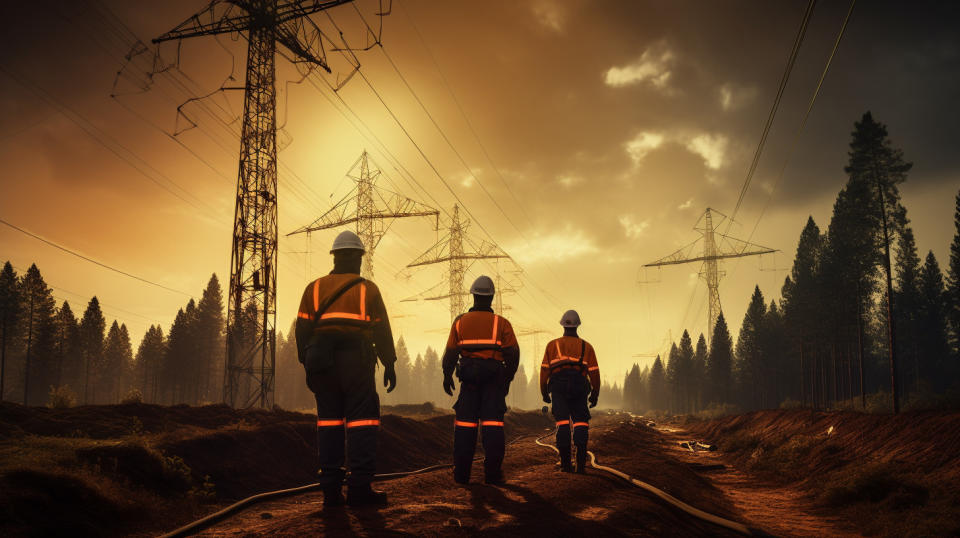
(143,469)
(871,474)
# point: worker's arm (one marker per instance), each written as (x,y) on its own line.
(382,335)
(545,370)
(304,326)
(593,371)
(510,349)
(450,355)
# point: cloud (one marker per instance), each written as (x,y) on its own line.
(467,181)
(686,205)
(642,144)
(560,245)
(711,147)
(549,15)
(653,67)
(631,228)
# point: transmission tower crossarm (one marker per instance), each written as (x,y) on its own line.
(293,35)
(217,18)
(295,9)
(223,17)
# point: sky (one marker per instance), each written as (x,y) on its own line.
(585,139)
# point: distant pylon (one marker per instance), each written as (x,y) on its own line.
(451,249)
(368,215)
(251,307)
(711,255)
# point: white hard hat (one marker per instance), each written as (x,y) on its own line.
(483,285)
(570,319)
(347,240)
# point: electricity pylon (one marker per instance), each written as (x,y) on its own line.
(451,249)
(251,307)
(367,213)
(537,350)
(713,252)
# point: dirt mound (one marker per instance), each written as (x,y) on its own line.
(177,463)
(891,475)
(111,421)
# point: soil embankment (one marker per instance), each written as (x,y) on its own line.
(873,474)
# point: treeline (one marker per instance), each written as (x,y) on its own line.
(828,342)
(48,355)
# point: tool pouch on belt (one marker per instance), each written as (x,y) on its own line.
(477,371)
(318,357)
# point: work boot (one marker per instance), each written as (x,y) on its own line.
(495,479)
(332,496)
(581,459)
(364,495)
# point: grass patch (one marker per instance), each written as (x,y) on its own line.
(877,483)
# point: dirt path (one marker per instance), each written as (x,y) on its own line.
(538,500)
(778,510)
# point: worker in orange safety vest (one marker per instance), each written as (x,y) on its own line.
(568,373)
(342,327)
(483,351)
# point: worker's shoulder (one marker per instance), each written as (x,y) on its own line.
(505,321)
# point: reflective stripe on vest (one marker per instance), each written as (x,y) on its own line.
(362,316)
(357,423)
(492,341)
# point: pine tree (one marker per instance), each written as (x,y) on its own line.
(657,386)
(69,361)
(801,293)
(92,327)
(875,162)
(751,372)
(720,361)
(685,371)
(632,389)
(211,326)
(699,369)
(40,335)
(673,378)
(953,285)
(779,371)
(113,362)
(907,298)
(935,366)
(10,312)
(173,377)
(149,360)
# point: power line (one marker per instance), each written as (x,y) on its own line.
(91,260)
(791,60)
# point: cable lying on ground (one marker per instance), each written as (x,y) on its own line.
(695,512)
(216,517)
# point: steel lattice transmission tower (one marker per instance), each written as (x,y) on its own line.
(713,251)
(251,307)
(450,249)
(371,207)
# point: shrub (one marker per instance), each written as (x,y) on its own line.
(61,397)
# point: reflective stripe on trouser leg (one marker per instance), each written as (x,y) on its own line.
(581,432)
(494,446)
(464,445)
(330,451)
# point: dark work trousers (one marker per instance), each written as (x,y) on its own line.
(480,405)
(347,407)
(568,392)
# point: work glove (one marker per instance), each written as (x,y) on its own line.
(593,400)
(389,377)
(448,385)
(546,398)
